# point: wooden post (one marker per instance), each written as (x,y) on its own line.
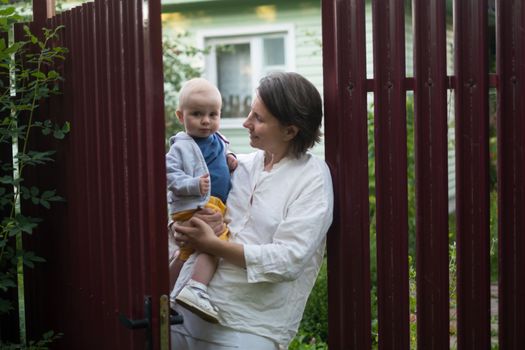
(42,10)
(511,172)
(472,174)
(347,155)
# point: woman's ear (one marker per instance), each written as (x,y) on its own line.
(289,132)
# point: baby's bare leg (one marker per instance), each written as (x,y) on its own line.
(204,268)
(175,267)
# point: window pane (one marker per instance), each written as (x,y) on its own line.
(234,77)
(273,51)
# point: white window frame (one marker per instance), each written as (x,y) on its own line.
(252,35)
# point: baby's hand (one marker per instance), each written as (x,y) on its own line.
(232,161)
(204,184)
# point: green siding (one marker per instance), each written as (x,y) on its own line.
(305,16)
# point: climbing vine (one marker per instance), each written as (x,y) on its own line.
(27,78)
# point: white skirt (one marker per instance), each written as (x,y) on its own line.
(197,334)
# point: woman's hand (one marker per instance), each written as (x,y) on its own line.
(195,233)
(212,218)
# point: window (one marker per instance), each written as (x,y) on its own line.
(239,58)
(234,78)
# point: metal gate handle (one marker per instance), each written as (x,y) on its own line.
(174,318)
(141,323)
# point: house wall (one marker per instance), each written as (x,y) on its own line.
(304,16)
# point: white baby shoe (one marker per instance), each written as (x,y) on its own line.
(197,301)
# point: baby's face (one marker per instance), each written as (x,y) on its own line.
(201,114)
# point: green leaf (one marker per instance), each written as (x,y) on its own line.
(8,180)
(21,224)
(59,134)
(5,306)
(48,194)
(6,202)
(26,193)
(14,48)
(29,258)
(35,157)
(38,75)
(8,11)
(6,282)
(53,74)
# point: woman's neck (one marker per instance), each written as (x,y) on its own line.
(270,159)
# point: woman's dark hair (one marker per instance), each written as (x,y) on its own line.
(293,100)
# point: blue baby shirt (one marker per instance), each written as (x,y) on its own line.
(212,149)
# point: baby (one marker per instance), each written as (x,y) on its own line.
(198,168)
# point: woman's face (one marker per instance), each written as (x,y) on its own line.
(266,132)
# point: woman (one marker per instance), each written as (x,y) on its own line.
(280,209)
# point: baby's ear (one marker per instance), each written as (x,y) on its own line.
(180,115)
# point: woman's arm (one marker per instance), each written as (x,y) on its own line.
(201,236)
(299,237)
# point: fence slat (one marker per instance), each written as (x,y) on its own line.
(388,21)
(472,181)
(347,155)
(104,30)
(511,172)
(430,112)
(80,281)
(154,135)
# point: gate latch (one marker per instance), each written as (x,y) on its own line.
(146,322)
(141,323)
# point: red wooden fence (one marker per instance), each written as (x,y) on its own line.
(107,245)
(345,92)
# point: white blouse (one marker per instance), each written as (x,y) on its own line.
(281,217)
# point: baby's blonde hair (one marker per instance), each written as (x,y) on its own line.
(196,85)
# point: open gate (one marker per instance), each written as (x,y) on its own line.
(106,247)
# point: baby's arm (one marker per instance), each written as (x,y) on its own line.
(204,184)
(231,159)
(179,182)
